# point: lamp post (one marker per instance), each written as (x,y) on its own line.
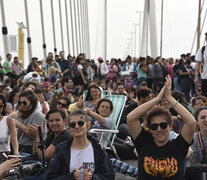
(135,38)
(140,31)
(130,46)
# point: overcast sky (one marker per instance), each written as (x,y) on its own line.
(180,18)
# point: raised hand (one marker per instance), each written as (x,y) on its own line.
(87,175)
(168,85)
(77,173)
(161,94)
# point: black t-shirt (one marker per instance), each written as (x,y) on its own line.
(63,136)
(30,67)
(184,69)
(165,162)
(126,111)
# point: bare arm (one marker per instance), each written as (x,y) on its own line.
(96,116)
(13,135)
(49,151)
(8,165)
(197,72)
(190,122)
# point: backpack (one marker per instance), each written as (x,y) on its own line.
(74,72)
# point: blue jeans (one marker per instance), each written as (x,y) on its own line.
(176,83)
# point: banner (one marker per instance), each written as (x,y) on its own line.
(21,47)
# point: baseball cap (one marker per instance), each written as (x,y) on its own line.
(100,58)
(46,84)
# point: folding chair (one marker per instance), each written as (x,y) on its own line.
(118,103)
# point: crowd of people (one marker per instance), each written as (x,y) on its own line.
(163,124)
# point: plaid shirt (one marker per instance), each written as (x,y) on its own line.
(123,168)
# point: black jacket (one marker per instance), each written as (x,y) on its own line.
(60,163)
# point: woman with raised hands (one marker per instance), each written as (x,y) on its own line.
(160,158)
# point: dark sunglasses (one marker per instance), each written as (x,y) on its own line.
(63,105)
(73,124)
(1,105)
(22,102)
(154,126)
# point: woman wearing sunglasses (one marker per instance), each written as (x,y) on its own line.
(8,131)
(160,158)
(28,115)
(82,157)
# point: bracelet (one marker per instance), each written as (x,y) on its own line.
(174,104)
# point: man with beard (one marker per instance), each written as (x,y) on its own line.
(28,115)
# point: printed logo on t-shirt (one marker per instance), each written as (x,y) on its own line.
(87,165)
(166,167)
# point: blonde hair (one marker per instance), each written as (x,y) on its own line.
(52,70)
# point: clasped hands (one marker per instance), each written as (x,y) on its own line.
(166,90)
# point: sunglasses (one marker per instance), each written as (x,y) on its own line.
(63,105)
(73,124)
(22,102)
(1,105)
(154,126)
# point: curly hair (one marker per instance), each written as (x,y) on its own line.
(104,100)
(158,111)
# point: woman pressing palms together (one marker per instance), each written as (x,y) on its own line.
(159,157)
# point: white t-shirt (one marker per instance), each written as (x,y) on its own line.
(83,158)
(79,67)
(198,57)
(4,136)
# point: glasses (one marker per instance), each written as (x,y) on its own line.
(22,102)
(154,126)
(63,105)
(73,124)
(1,105)
(7,89)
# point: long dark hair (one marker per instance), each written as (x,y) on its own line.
(93,85)
(33,102)
(12,94)
(4,102)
